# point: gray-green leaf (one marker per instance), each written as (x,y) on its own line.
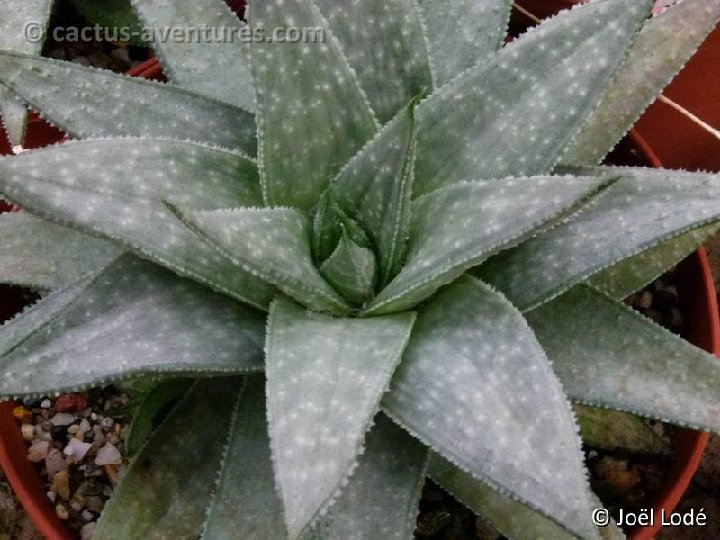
(158,497)
(136,318)
(351,270)
(457,227)
(608,355)
(312,114)
(76,99)
(512,114)
(325,379)
(644,208)
(476,387)
(120,199)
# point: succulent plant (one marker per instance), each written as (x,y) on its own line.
(385,255)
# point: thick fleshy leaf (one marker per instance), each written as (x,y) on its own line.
(644,208)
(42,255)
(120,199)
(633,273)
(325,379)
(476,387)
(274,244)
(590,338)
(22,29)
(75,98)
(158,497)
(112,14)
(511,517)
(312,115)
(351,270)
(457,227)
(382,496)
(375,189)
(385,45)
(512,114)
(134,319)
(462,33)
(245,503)
(214,65)
(662,47)
(149,410)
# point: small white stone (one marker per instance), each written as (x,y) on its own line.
(38,451)
(62,419)
(52,496)
(87,515)
(86,533)
(28,431)
(55,462)
(108,455)
(77,449)
(45,404)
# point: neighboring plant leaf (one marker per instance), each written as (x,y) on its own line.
(375,189)
(274,244)
(112,14)
(382,496)
(325,379)
(661,49)
(206,64)
(384,43)
(512,518)
(462,33)
(633,273)
(134,319)
(610,356)
(75,98)
(613,431)
(245,503)
(158,497)
(643,209)
(493,122)
(351,270)
(457,227)
(41,255)
(17,18)
(476,387)
(151,410)
(120,199)
(312,114)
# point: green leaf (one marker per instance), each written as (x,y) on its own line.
(375,188)
(216,64)
(76,99)
(351,270)
(274,244)
(325,379)
(457,227)
(511,517)
(245,503)
(120,199)
(662,47)
(382,496)
(589,337)
(134,319)
(512,114)
(613,431)
(385,45)
(633,273)
(42,255)
(17,18)
(476,387)
(112,14)
(152,408)
(158,497)
(312,115)
(462,33)
(643,209)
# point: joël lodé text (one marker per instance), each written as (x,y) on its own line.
(650,517)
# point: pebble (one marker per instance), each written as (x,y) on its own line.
(22,415)
(61,484)
(38,451)
(77,449)
(62,512)
(62,419)
(87,531)
(108,455)
(45,404)
(94,503)
(646,300)
(87,515)
(52,496)
(55,462)
(71,403)
(28,431)
(107,423)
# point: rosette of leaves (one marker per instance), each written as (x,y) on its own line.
(385,254)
